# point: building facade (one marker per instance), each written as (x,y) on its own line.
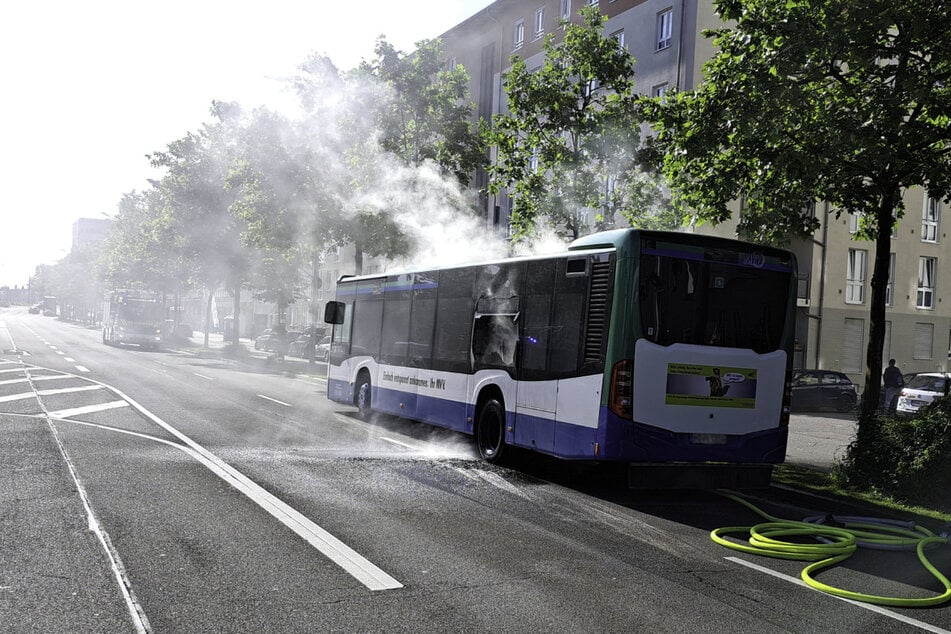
(665,37)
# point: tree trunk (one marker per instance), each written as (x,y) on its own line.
(236,311)
(358,260)
(876,335)
(211,295)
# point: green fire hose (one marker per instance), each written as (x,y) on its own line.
(834,544)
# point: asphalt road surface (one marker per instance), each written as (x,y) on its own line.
(178,492)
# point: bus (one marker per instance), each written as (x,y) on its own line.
(133,317)
(671,352)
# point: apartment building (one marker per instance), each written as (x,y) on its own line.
(835,269)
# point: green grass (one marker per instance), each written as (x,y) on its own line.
(821,483)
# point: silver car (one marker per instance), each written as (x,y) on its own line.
(921,390)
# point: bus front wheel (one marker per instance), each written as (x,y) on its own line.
(364,392)
(490,432)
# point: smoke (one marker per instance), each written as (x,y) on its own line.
(441,219)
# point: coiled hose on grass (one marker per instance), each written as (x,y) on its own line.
(835,544)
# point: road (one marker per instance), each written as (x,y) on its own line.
(175,492)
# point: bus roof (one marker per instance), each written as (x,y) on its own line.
(461,265)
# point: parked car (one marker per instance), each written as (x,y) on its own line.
(323,349)
(35,309)
(921,390)
(301,345)
(273,341)
(822,389)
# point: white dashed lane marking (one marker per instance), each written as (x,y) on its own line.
(274,400)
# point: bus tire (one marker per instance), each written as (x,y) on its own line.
(362,397)
(490,431)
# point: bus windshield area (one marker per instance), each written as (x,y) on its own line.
(712,302)
(139,311)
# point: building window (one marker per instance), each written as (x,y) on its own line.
(890,287)
(927,267)
(619,36)
(929,219)
(565,9)
(659,91)
(924,341)
(854,222)
(592,3)
(518,35)
(855,277)
(665,28)
(539,22)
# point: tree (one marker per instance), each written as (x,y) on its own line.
(571,138)
(844,101)
(424,113)
(139,251)
(197,205)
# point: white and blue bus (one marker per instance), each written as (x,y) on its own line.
(668,351)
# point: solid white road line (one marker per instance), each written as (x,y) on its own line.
(25,395)
(868,606)
(396,442)
(139,620)
(351,561)
(203,376)
(274,400)
(87,409)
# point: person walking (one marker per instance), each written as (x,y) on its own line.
(893,383)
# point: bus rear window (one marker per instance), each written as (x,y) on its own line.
(712,302)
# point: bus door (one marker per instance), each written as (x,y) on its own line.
(537,388)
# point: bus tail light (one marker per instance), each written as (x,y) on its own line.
(621,394)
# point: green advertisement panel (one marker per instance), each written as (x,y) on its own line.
(710,385)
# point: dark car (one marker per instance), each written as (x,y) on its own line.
(822,389)
(273,341)
(303,345)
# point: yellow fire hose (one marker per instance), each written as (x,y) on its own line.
(835,544)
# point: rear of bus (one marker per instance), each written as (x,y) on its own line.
(698,358)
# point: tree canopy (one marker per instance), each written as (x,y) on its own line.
(570,140)
(843,101)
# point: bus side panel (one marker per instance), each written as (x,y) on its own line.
(535,415)
(441,400)
(578,407)
(395,393)
(493,380)
(340,379)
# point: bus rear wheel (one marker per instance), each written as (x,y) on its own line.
(490,431)
(364,392)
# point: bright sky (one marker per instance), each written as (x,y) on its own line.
(91,87)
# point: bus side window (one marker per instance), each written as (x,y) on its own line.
(396,312)
(368,322)
(493,341)
(453,330)
(567,321)
(423,321)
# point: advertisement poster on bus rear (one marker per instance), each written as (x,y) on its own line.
(709,385)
